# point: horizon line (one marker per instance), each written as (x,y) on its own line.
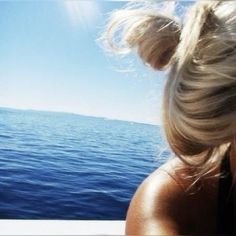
(79,114)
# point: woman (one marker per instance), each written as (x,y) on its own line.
(194,192)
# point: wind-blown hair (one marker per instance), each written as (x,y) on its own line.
(199,108)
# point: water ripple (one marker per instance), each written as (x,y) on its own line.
(63,166)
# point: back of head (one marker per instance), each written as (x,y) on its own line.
(199,106)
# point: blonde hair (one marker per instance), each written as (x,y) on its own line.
(199,108)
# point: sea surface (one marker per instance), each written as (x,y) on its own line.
(67,166)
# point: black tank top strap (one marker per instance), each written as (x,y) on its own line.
(225,216)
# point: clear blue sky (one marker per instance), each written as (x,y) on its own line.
(49,60)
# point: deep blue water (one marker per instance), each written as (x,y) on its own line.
(65,166)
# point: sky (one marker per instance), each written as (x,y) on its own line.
(50,60)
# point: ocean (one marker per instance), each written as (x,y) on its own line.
(67,166)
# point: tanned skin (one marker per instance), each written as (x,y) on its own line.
(167,203)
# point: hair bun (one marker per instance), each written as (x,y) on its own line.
(158,43)
(153,36)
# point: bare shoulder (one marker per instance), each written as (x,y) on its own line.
(157,203)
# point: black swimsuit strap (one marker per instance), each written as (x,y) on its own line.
(225,216)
